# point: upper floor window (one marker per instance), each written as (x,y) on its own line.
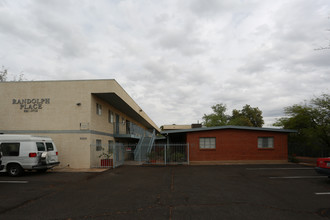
(207,143)
(98,109)
(265,142)
(111,118)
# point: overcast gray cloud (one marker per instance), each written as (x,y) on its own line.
(176,58)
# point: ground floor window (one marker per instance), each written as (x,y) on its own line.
(265,142)
(98,145)
(207,143)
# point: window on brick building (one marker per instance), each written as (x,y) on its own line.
(207,143)
(265,142)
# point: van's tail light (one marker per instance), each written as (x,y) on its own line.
(32,154)
(56,153)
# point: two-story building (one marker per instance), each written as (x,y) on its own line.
(83,117)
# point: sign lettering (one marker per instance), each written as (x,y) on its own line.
(31,105)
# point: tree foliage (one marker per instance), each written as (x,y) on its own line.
(248,116)
(4,75)
(218,117)
(312,122)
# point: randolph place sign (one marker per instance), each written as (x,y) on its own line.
(31,105)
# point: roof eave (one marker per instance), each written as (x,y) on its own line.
(229,127)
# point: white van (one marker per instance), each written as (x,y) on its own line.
(27,152)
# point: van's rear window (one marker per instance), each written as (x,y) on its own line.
(49,146)
(41,146)
(10,149)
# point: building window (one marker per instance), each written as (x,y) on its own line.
(98,145)
(265,142)
(110,147)
(110,119)
(98,109)
(207,143)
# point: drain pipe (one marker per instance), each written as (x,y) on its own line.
(166,146)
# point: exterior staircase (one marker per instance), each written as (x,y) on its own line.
(144,147)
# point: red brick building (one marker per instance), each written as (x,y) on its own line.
(233,143)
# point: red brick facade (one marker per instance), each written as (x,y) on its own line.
(235,144)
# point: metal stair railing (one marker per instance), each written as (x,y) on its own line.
(152,140)
(137,151)
(144,146)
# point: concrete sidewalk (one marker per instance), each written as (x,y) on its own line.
(239,162)
(77,170)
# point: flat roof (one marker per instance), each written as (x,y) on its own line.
(176,127)
(116,101)
(228,127)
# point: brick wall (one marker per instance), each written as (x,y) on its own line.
(233,144)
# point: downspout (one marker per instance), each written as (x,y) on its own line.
(166,147)
(167,139)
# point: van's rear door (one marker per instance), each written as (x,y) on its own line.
(51,153)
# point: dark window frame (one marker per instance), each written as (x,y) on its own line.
(98,145)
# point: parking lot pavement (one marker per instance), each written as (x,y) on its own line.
(285,191)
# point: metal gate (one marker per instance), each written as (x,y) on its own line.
(117,154)
(168,154)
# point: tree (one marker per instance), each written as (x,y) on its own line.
(312,122)
(248,116)
(218,117)
(3,74)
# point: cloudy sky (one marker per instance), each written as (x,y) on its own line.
(176,58)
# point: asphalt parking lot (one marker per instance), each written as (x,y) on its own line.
(286,191)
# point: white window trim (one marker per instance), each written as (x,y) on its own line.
(98,109)
(207,143)
(265,142)
(111,117)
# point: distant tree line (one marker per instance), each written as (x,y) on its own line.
(248,116)
(312,122)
